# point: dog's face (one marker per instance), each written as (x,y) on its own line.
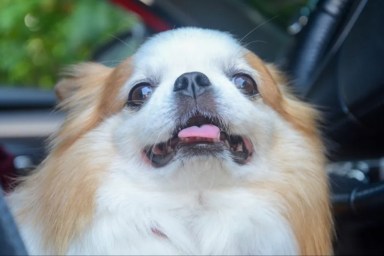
(191,106)
(193,100)
(192,96)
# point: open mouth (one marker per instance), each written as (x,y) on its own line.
(200,135)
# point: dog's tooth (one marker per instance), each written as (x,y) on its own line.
(244,148)
(155,150)
(170,147)
(159,149)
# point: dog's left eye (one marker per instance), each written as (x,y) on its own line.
(139,94)
(245,83)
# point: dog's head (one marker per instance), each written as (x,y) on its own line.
(190,103)
(191,111)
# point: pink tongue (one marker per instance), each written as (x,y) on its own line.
(205,131)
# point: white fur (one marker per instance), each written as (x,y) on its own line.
(202,205)
(207,214)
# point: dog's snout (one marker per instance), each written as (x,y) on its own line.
(192,84)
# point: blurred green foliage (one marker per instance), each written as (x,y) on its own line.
(39,37)
(280,12)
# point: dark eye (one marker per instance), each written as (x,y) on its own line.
(245,84)
(139,94)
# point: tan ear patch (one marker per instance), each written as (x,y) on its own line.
(89,94)
(79,91)
(110,102)
(268,88)
(64,89)
(274,92)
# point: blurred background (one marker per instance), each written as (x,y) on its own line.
(39,37)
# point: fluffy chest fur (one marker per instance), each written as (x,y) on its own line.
(223,221)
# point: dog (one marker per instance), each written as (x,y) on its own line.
(193,145)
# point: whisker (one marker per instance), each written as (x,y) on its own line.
(119,39)
(257,27)
(130,47)
(253,42)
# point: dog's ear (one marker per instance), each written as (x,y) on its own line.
(302,115)
(81,77)
(80,92)
(64,89)
(276,74)
(88,93)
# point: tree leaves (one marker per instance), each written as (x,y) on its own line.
(39,37)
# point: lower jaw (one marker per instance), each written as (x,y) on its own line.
(198,151)
(201,151)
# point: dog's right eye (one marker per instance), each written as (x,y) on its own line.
(245,83)
(139,94)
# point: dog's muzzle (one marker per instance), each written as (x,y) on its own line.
(200,130)
(200,136)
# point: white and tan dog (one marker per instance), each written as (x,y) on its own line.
(191,146)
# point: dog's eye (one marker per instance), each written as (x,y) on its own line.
(139,94)
(245,83)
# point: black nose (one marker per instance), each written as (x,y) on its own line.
(192,84)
